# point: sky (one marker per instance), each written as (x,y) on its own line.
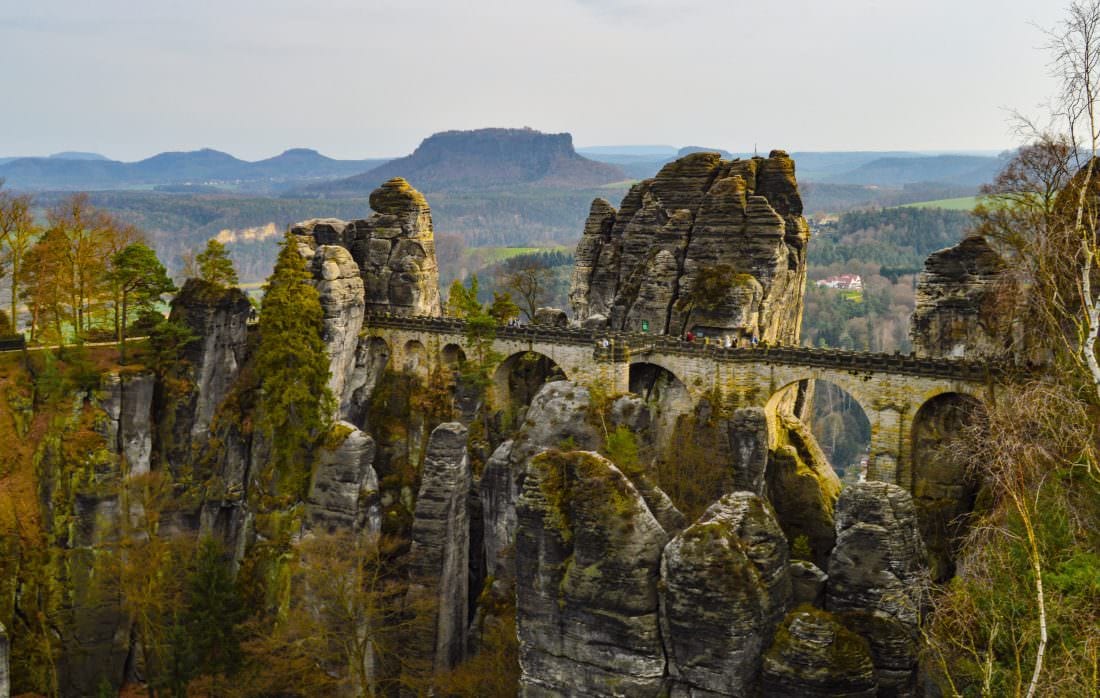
(372,78)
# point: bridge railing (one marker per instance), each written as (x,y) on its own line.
(623,346)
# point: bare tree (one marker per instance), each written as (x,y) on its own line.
(529,278)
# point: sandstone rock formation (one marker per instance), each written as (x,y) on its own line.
(877,576)
(441,541)
(802,487)
(725,587)
(807,583)
(218,319)
(943,490)
(962,298)
(554,317)
(587,557)
(748,437)
(707,244)
(337,279)
(343,495)
(394,250)
(127,402)
(814,655)
(555,417)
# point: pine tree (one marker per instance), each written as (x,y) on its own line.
(138,280)
(214,611)
(215,266)
(295,403)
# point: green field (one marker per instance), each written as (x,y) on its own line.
(962,203)
(476,257)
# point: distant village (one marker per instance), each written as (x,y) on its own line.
(843,282)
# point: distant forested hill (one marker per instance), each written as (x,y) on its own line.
(206,166)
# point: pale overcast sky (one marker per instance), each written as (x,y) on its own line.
(364,78)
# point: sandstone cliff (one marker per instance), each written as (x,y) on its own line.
(708,245)
(961,303)
(394,249)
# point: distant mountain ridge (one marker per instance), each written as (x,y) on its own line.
(84,171)
(483,159)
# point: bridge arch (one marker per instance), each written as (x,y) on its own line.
(415,356)
(943,491)
(838,419)
(519,377)
(452,355)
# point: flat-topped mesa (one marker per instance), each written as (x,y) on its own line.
(394,249)
(708,245)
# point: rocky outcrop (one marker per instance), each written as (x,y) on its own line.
(807,583)
(877,576)
(343,494)
(944,489)
(725,587)
(338,282)
(802,487)
(441,542)
(964,299)
(587,558)
(554,317)
(394,250)
(554,418)
(127,402)
(814,655)
(748,437)
(218,320)
(708,244)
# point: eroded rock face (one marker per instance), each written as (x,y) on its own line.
(554,317)
(748,437)
(394,250)
(441,541)
(218,319)
(708,244)
(338,282)
(807,583)
(127,402)
(343,495)
(963,299)
(877,575)
(803,488)
(587,557)
(556,416)
(814,655)
(725,587)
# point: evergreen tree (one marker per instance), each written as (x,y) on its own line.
(215,266)
(214,611)
(138,280)
(295,402)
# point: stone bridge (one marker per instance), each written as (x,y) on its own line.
(894,390)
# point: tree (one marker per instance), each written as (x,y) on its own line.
(214,611)
(139,281)
(295,405)
(17,234)
(529,277)
(45,286)
(215,266)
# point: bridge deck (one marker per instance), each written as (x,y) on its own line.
(624,346)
